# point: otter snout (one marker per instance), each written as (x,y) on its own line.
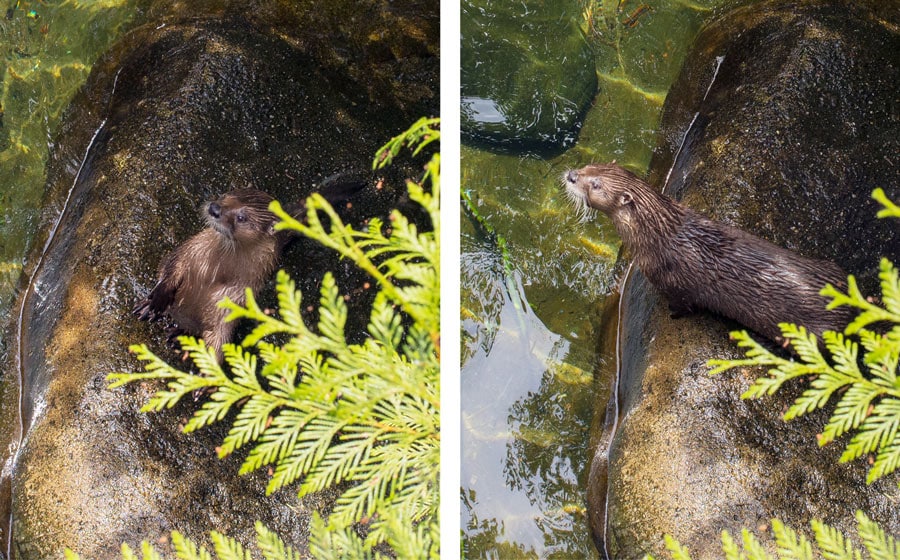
(214,210)
(572,176)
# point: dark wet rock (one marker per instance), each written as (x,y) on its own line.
(541,105)
(177,113)
(797,128)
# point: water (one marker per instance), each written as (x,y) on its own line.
(48,48)
(530,321)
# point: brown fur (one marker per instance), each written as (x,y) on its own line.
(238,250)
(698,263)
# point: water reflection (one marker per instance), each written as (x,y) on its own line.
(523,443)
(47,49)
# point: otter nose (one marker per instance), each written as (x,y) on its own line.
(572,176)
(214,210)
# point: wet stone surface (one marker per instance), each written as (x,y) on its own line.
(175,114)
(795,126)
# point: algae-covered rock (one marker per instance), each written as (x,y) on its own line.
(176,113)
(541,103)
(783,121)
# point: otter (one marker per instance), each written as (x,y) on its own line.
(698,263)
(238,250)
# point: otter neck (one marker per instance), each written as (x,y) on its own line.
(649,221)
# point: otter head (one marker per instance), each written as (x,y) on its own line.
(604,187)
(242,216)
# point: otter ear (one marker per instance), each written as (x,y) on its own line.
(625,199)
(271,229)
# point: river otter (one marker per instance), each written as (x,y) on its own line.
(238,250)
(698,263)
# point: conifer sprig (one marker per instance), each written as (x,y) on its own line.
(890,209)
(224,548)
(790,545)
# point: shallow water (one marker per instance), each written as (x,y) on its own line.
(530,320)
(48,48)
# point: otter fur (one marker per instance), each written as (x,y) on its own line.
(698,263)
(238,250)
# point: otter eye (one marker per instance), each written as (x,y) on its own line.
(241,218)
(596,185)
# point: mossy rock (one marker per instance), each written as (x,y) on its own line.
(179,111)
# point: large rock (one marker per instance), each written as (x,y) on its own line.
(783,121)
(176,113)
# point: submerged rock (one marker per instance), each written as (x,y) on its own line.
(549,88)
(783,121)
(178,112)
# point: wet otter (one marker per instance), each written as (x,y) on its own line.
(238,250)
(698,263)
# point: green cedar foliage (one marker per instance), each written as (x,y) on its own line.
(325,412)
(868,402)
(224,548)
(829,544)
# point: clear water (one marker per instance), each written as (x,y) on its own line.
(48,47)
(530,321)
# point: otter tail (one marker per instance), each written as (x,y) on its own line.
(339,190)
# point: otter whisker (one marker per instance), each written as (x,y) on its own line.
(583,211)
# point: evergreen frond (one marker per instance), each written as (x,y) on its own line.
(678,552)
(791,546)
(887,461)
(730,548)
(329,543)
(277,441)
(228,548)
(879,545)
(832,543)
(752,547)
(850,411)
(890,210)
(250,422)
(127,553)
(890,289)
(272,547)
(829,543)
(187,550)
(148,552)
(870,312)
